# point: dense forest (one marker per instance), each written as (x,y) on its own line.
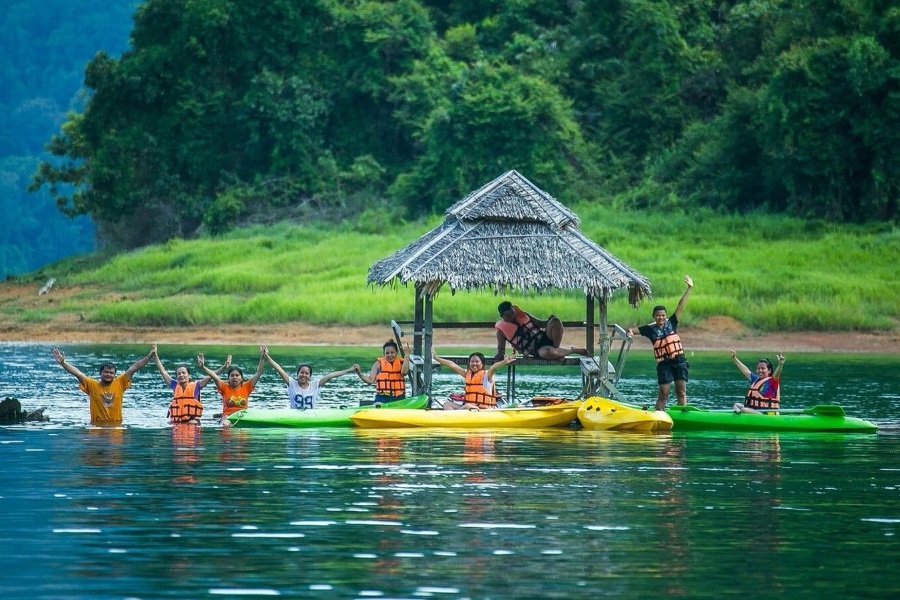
(223,112)
(44,49)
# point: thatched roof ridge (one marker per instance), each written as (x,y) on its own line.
(512,197)
(524,256)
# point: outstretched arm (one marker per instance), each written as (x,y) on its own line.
(139,364)
(448,363)
(159,366)
(684,296)
(507,360)
(777,373)
(741,366)
(328,377)
(60,358)
(263,351)
(370,378)
(210,374)
(277,367)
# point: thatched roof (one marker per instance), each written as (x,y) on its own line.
(509,235)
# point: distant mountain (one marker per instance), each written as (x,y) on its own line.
(43,51)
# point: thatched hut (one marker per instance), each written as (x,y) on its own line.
(518,238)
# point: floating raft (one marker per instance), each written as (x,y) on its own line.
(823,417)
(500,418)
(314,417)
(605,414)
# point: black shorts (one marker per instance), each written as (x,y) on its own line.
(671,370)
(541,341)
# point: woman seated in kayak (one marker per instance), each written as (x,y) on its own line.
(481,392)
(764,394)
(235,391)
(388,374)
(185,406)
(303,390)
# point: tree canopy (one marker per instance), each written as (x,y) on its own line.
(222,110)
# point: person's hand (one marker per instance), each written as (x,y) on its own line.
(201,361)
(406,348)
(733,353)
(510,359)
(263,350)
(227,361)
(689,281)
(356,368)
(58,355)
(153,350)
(780,358)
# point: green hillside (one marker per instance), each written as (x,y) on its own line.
(770,273)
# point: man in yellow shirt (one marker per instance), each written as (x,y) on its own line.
(106,393)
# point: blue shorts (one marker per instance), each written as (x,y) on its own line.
(381,399)
(671,370)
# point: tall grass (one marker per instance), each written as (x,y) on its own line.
(768,272)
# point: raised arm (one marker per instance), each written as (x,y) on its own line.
(277,367)
(448,363)
(159,366)
(328,377)
(263,351)
(225,365)
(777,373)
(404,368)
(507,360)
(684,296)
(60,358)
(140,364)
(210,374)
(741,366)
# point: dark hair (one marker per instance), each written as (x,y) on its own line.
(389,343)
(768,364)
(301,365)
(479,355)
(659,307)
(107,365)
(238,369)
(504,306)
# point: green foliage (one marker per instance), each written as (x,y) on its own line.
(807,276)
(375,110)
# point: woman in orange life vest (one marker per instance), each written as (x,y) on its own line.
(764,394)
(235,391)
(388,374)
(671,363)
(185,406)
(481,392)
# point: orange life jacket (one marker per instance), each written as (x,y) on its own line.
(667,344)
(522,335)
(185,406)
(477,393)
(390,381)
(757,401)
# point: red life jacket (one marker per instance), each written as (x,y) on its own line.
(390,381)
(477,393)
(185,406)
(757,401)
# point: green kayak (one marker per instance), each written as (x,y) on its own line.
(823,417)
(313,417)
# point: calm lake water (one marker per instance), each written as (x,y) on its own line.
(148,511)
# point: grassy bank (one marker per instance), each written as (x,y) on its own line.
(770,273)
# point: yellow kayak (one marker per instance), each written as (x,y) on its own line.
(603,413)
(498,418)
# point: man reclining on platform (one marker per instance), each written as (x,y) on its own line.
(529,335)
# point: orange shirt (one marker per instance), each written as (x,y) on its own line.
(235,399)
(106,400)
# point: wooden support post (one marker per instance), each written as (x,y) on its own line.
(589,325)
(428,339)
